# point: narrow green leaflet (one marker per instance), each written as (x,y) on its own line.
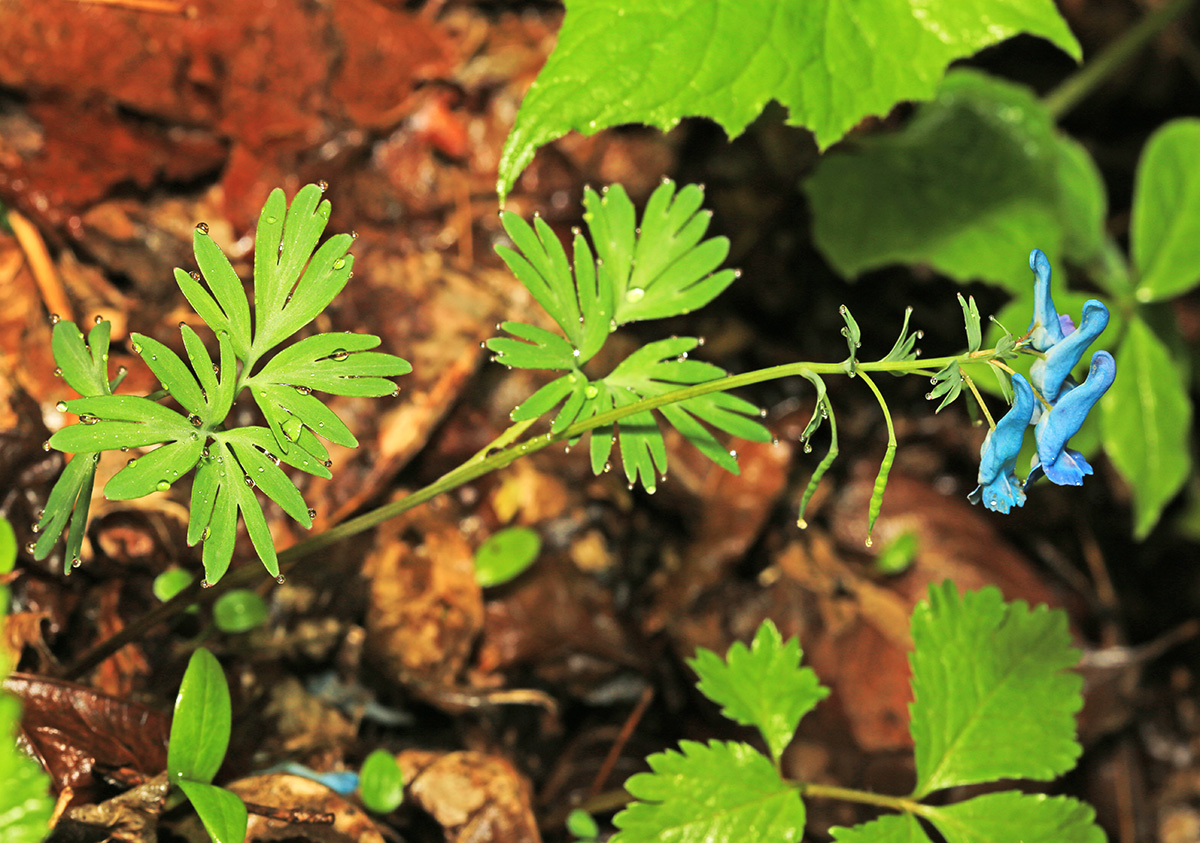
(761,686)
(708,792)
(824,60)
(292,284)
(1165,231)
(891,828)
(948,383)
(905,347)
(1146,424)
(84,365)
(201,723)
(67,507)
(226,308)
(900,198)
(119,421)
(993,697)
(25,801)
(971,320)
(223,813)
(1012,817)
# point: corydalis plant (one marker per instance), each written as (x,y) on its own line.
(294,281)
(629,273)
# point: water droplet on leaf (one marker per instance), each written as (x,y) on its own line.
(634,295)
(202,227)
(162,485)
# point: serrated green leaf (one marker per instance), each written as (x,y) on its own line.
(708,792)
(826,62)
(891,828)
(85,371)
(1146,424)
(227,290)
(992,695)
(1165,231)
(174,375)
(900,198)
(1012,817)
(222,812)
(155,471)
(201,722)
(381,782)
(761,686)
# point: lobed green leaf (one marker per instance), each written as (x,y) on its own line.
(1013,817)
(533,348)
(826,62)
(761,686)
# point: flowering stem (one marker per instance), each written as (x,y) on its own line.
(486,462)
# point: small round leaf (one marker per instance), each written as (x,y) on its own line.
(381,783)
(581,825)
(239,610)
(505,555)
(170,582)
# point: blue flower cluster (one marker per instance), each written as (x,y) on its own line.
(1050,400)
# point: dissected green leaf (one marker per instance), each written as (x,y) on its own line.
(222,812)
(890,828)
(108,422)
(261,468)
(174,375)
(900,198)
(381,782)
(948,383)
(993,697)
(1012,817)
(826,61)
(763,686)
(69,501)
(709,792)
(505,555)
(1165,230)
(201,723)
(533,348)
(226,308)
(971,320)
(155,471)
(84,365)
(217,382)
(1146,423)
(904,348)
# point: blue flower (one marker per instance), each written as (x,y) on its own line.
(1046,329)
(1059,463)
(1050,373)
(999,488)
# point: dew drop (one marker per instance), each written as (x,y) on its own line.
(57,372)
(396,392)
(566,449)
(928,396)
(328,463)
(591,391)
(35,528)
(762,413)
(76,562)
(339,263)
(97,319)
(808,447)
(207,532)
(55,318)
(195,421)
(46,445)
(271,220)
(202,227)
(61,406)
(280,579)
(31,547)
(634,295)
(249,481)
(204,583)
(323,185)
(733,454)
(868,542)
(312,513)
(353,234)
(291,429)
(340,355)
(131,463)
(575,352)
(162,485)
(137,348)
(195,276)
(607,467)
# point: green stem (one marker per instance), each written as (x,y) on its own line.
(1078,86)
(475,467)
(885,467)
(863,797)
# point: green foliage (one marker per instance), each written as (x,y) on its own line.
(827,63)
(718,791)
(1165,230)
(900,198)
(199,738)
(239,610)
(505,555)
(582,825)
(25,801)
(1147,423)
(630,272)
(380,782)
(294,281)
(763,686)
(993,700)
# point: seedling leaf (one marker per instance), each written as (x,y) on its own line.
(222,812)
(201,723)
